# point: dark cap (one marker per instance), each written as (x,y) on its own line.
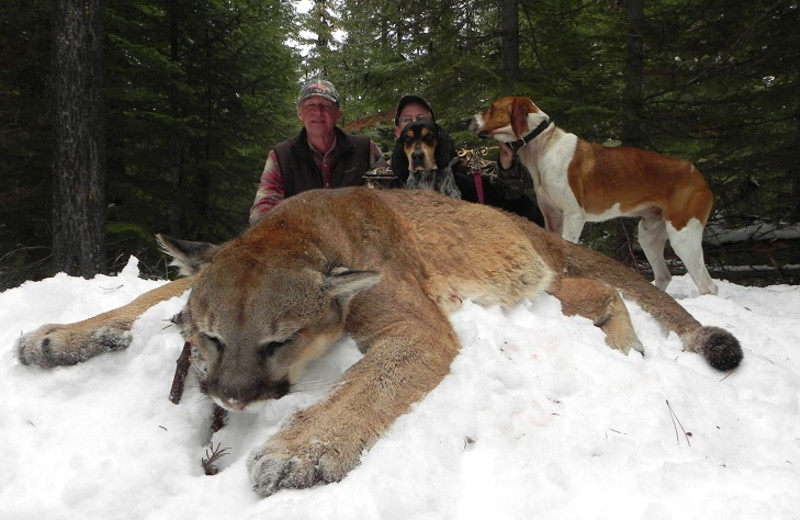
(405,100)
(318,87)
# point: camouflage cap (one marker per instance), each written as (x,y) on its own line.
(318,87)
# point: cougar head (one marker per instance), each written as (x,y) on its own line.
(255,321)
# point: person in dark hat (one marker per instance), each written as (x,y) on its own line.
(506,190)
(321,156)
(410,109)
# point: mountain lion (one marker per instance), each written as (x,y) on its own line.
(386,268)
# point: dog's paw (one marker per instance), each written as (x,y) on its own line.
(56,345)
(276,466)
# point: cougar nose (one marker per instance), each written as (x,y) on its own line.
(234,404)
(233,398)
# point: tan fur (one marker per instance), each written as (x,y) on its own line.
(577,181)
(384,267)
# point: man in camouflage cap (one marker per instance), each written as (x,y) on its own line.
(321,156)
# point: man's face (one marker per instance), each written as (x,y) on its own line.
(411,112)
(318,114)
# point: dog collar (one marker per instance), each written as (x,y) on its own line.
(525,139)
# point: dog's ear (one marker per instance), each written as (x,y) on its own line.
(519,117)
(400,161)
(445,148)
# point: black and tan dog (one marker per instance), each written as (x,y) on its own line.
(422,159)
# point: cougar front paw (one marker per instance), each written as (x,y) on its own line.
(56,345)
(275,466)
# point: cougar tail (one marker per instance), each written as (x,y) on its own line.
(720,348)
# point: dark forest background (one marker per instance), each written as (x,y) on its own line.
(193,94)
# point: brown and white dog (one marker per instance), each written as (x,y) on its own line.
(577,181)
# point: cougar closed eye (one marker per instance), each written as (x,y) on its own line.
(214,342)
(267,350)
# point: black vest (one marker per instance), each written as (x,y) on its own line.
(350,159)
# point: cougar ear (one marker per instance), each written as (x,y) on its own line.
(189,257)
(343,283)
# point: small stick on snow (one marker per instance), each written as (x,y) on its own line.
(677,422)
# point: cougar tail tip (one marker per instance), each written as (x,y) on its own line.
(720,348)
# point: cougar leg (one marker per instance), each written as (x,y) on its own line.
(601,304)
(54,345)
(406,356)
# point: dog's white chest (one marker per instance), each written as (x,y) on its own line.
(552,164)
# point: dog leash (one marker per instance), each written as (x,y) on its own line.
(473,157)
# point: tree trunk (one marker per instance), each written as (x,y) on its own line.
(509,39)
(79,148)
(632,131)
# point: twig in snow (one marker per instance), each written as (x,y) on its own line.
(677,422)
(181,369)
(208,461)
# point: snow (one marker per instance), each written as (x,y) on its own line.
(538,419)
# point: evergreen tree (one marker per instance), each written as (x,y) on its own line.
(26,143)
(200,92)
(196,93)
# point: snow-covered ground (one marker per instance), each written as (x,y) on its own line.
(539,419)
